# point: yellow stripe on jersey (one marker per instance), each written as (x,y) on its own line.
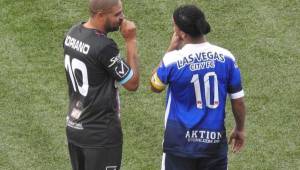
(156,82)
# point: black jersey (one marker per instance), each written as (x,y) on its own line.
(94,69)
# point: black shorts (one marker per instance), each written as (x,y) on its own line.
(171,162)
(95,158)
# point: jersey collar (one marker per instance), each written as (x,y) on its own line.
(201,45)
(97,32)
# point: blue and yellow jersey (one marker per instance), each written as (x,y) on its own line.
(199,77)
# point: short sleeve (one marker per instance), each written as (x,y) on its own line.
(156,82)
(235,88)
(111,60)
(163,73)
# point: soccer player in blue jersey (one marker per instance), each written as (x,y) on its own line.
(199,76)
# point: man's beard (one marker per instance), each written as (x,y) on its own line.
(109,28)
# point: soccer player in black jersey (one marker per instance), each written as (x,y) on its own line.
(94,69)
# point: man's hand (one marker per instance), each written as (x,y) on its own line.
(175,43)
(128,30)
(237,139)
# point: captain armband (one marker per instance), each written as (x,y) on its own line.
(156,83)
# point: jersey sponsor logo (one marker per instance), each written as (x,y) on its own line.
(77,45)
(203,136)
(121,69)
(114,60)
(76,111)
(202,65)
(199,58)
(74,124)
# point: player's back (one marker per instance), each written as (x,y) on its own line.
(199,77)
(93,94)
(198,81)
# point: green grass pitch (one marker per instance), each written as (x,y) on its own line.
(263,35)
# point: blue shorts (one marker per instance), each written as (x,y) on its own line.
(171,162)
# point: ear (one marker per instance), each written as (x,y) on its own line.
(100,15)
(182,35)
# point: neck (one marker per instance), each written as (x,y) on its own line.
(93,24)
(197,40)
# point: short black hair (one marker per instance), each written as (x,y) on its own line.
(191,20)
(96,6)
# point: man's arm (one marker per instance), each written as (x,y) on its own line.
(128,30)
(237,137)
(155,83)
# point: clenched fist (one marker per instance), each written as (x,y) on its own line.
(128,30)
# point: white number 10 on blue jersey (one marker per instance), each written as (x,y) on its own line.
(195,80)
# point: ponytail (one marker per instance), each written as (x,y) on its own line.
(203,26)
(191,20)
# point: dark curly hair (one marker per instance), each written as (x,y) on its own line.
(191,20)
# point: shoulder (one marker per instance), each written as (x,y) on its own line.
(74,28)
(171,57)
(103,41)
(227,54)
(106,44)
(102,45)
(106,49)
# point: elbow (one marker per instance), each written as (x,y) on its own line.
(133,87)
(132,84)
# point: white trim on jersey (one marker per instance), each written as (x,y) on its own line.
(168,109)
(163,162)
(237,95)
